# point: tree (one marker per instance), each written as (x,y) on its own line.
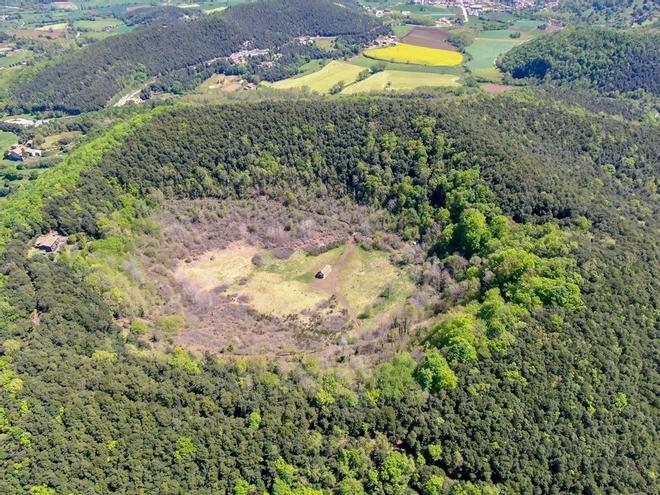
(396,472)
(434,374)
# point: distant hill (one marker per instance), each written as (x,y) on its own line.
(87,80)
(603,59)
(616,13)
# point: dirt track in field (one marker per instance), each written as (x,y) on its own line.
(329,283)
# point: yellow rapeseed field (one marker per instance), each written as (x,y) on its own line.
(412,54)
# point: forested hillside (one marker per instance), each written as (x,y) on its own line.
(617,13)
(537,234)
(603,59)
(88,79)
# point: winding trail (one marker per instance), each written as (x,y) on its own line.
(329,283)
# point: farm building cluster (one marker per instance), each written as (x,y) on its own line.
(20,152)
(51,242)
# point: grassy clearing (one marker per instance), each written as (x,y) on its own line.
(98,24)
(311,67)
(15,58)
(280,287)
(527,24)
(372,285)
(367,280)
(323,80)
(411,54)
(401,81)
(6,140)
(52,27)
(219,83)
(402,30)
(497,34)
(484,53)
(64,6)
(220,267)
(53,141)
(327,44)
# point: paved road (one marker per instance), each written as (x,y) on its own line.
(465,16)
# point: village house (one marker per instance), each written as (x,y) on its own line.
(51,242)
(20,152)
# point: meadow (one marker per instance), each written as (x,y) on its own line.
(362,280)
(484,52)
(323,80)
(97,24)
(52,27)
(15,58)
(401,81)
(411,54)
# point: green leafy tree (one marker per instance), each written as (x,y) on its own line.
(434,374)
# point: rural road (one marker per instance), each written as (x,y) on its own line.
(465,16)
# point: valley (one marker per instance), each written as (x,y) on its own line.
(318,247)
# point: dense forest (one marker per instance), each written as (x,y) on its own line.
(539,377)
(603,59)
(616,13)
(89,78)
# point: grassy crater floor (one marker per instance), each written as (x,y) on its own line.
(362,281)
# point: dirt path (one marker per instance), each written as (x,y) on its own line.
(329,283)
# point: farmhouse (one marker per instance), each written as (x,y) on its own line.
(20,152)
(324,272)
(52,242)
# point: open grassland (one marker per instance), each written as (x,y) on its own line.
(219,83)
(64,6)
(484,52)
(97,24)
(527,24)
(52,27)
(402,29)
(362,281)
(496,34)
(6,140)
(373,286)
(401,81)
(323,80)
(325,42)
(280,287)
(411,54)
(15,58)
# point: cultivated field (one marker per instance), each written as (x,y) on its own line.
(401,81)
(323,80)
(484,52)
(429,37)
(368,63)
(411,54)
